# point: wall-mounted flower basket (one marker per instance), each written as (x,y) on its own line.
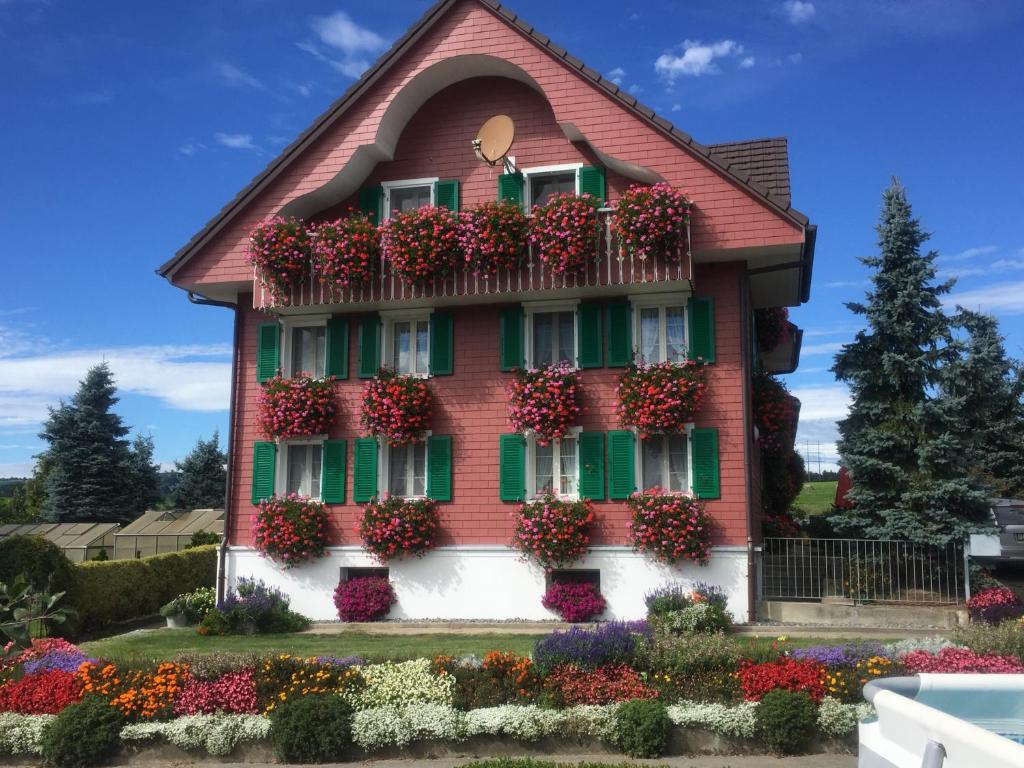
(772,326)
(346,251)
(670,527)
(421,244)
(775,413)
(290,530)
(493,236)
(544,402)
(563,232)
(279,249)
(651,221)
(661,398)
(397,407)
(297,407)
(553,532)
(395,527)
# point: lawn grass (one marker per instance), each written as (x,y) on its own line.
(816,498)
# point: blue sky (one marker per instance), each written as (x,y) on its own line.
(124,129)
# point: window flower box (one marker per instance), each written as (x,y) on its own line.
(394,527)
(775,413)
(279,248)
(291,530)
(296,407)
(346,251)
(493,236)
(661,398)
(421,244)
(564,232)
(651,221)
(544,402)
(397,407)
(552,532)
(670,527)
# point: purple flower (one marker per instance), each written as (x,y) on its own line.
(838,655)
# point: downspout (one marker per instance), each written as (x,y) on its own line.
(223,549)
(747,453)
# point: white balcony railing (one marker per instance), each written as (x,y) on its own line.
(609,268)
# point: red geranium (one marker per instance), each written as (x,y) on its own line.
(553,532)
(574,602)
(960,661)
(787,673)
(365,599)
(775,412)
(569,685)
(397,527)
(493,236)
(421,244)
(652,220)
(279,249)
(661,398)
(46,693)
(544,401)
(347,251)
(670,527)
(290,530)
(297,407)
(772,326)
(396,407)
(233,693)
(564,232)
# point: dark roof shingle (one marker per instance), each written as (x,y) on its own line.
(765,161)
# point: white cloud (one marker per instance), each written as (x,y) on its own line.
(356,43)
(234,77)
(845,283)
(746,62)
(189,148)
(1004,298)
(795,58)
(17,469)
(827,348)
(829,403)
(616,75)
(677,107)
(696,59)
(635,89)
(236,140)
(817,431)
(798,11)
(970,253)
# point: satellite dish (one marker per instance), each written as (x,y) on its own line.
(494,140)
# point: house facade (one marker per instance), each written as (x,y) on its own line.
(401,138)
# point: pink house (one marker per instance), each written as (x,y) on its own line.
(401,137)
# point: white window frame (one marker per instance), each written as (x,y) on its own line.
(660,302)
(545,170)
(289,324)
(405,184)
(531,466)
(281,470)
(540,307)
(388,320)
(384,466)
(638,462)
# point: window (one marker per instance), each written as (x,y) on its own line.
(308,350)
(407,343)
(555,467)
(661,333)
(552,336)
(402,196)
(350,574)
(544,183)
(664,463)
(575,576)
(407,469)
(303,462)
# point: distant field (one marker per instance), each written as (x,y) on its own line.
(816,498)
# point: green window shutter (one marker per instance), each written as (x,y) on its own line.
(369,346)
(439,467)
(268,351)
(620,334)
(591,458)
(510,187)
(446,194)
(364,469)
(371,202)
(442,344)
(588,331)
(621,464)
(510,341)
(591,182)
(512,467)
(704,447)
(264,459)
(337,348)
(332,484)
(701,312)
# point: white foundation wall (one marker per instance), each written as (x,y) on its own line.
(489,582)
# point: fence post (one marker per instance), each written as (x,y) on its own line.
(967,571)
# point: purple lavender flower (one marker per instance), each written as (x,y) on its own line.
(341,661)
(55,661)
(846,655)
(610,643)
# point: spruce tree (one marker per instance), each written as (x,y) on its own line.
(202,476)
(143,477)
(904,446)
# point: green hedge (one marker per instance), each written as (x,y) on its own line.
(120,590)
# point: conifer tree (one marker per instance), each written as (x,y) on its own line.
(203,475)
(143,477)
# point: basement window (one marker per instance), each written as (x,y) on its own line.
(575,576)
(351,574)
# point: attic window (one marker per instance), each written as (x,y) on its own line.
(407,195)
(544,183)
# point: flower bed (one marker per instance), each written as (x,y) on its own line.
(786,674)
(346,251)
(290,530)
(544,402)
(961,660)
(493,236)
(660,398)
(279,249)
(553,532)
(670,527)
(563,232)
(995,604)
(396,407)
(296,407)
(422,244)
(651,220)
(397,527)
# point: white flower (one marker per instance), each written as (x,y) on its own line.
(217,734)
(22,734)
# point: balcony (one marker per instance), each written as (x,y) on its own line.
(610,270)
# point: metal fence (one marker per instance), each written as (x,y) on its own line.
(862,571)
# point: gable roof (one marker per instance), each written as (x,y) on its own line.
(740,168)
(765,161)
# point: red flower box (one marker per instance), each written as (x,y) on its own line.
(279,249)
(397,407)
(346,251)
(652,220)
(290,530)
(661,398)
(564,232)
(493,236)
(421,244)
(552,532)
(297,407)
(670,527)
(775,413)
(544,401)
(397,527)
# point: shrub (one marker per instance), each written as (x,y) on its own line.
(84,734)
(493,236)
(41,561)
(660,398)
(564,232)
(756,680)
(847,682)
(1004,639)
(312,729)
(544,401)
(295,407)
(233,693)
(194,605)
(396,407)
(254,607)
(697,618)
(44,693)
(283,677)
(670,527)
(569,685)
(367,599)
(671,596)
(574,602)
(422,244)
(397,527)
(199,539)
(279,249)
(120,590)
(961,660)
(693,666)
(553,532)
(995,604)
(346,251)
(605,645)
(642,728)
(786,721)
(290,530)
(651,220)
(214,623)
